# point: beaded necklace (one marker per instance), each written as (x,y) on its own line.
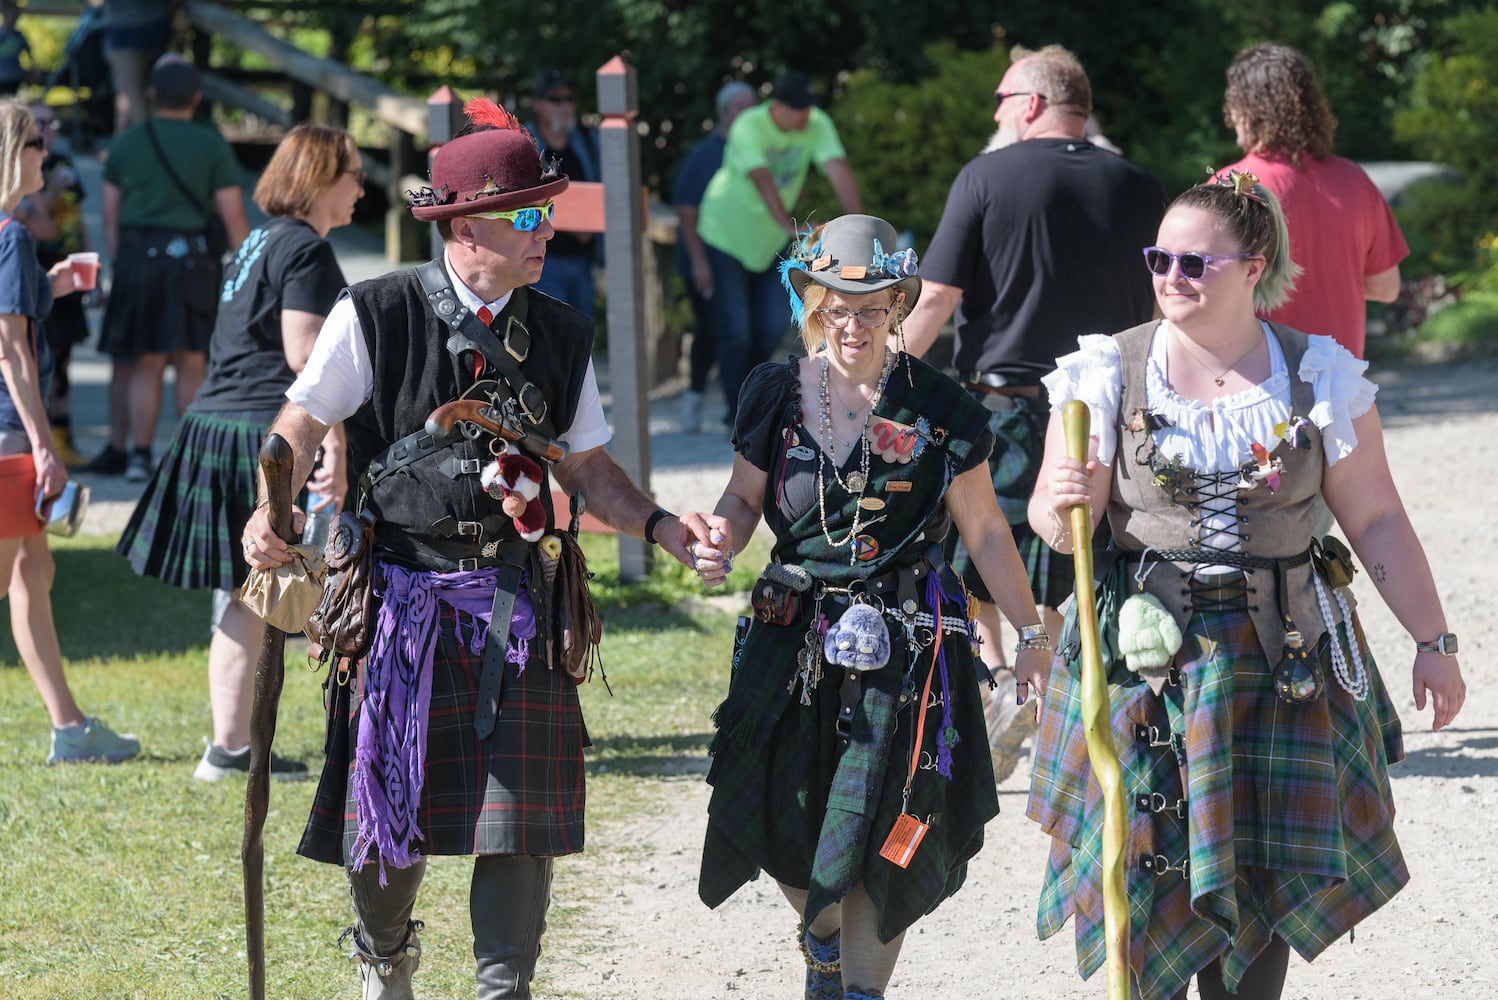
(858,481)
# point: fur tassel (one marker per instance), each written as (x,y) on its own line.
(481,111)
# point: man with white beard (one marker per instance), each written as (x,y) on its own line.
(1040,243)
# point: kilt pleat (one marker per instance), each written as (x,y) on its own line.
(520,791)
(185,529)
(1286,815)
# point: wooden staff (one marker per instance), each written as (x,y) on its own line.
(1096,717)
(276,464)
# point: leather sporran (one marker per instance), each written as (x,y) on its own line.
(576,629)
(343,623)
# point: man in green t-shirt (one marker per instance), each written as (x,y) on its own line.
(745,219)
(164,182)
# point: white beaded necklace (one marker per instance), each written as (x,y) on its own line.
(857,482)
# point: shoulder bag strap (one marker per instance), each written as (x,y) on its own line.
(470,334)
(192,199)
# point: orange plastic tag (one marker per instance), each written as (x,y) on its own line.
(899,485)
(822,263)
(904,837)
(852,272)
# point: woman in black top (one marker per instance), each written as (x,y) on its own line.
(277,291)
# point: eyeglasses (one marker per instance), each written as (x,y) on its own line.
(35,143)
(359,175)
(1193,264)
(45,124)
(524,220)
(866,317)
(1000,96)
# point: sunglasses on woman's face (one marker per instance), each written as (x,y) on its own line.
(36,142)
(1193,264)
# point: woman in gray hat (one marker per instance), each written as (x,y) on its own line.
(851,762)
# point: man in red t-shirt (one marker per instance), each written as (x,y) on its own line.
(1341,229)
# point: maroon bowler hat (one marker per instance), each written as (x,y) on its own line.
(493,170)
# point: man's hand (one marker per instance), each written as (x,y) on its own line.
(707,546)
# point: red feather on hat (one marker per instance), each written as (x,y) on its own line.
(482,111)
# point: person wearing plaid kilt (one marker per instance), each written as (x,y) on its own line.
(850,762)
(277,291)
(1253,727)
(459,733)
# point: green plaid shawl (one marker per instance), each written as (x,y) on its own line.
(1289,815)
(786,799)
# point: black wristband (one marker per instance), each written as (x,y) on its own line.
(660,515)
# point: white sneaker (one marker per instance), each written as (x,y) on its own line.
(691,411)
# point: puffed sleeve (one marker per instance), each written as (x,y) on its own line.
(1342,393)
(768,402)
(1094,374)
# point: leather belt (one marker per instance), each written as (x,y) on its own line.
(496,640)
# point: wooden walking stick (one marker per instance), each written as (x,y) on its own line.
(1096,717)
(276,464)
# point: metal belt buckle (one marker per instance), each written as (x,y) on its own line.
(1159,865)
(1155,802)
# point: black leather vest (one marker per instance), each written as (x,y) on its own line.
(419,506)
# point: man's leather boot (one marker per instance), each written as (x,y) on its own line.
(507,904)
(383,940)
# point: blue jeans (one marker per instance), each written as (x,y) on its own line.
(751,312)
(569,279)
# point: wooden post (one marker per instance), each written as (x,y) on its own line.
(619,149)
(444,119)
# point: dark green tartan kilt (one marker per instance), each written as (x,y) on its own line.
(1288,826)
(185,529)
(814,817)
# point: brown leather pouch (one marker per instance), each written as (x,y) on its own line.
(780,593)
(343,624)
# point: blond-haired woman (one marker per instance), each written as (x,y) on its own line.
(852,712)
(26,295)
(185,531)
(1254,730)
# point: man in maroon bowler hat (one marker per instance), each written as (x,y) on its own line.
(461,734)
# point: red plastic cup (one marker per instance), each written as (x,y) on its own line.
(85,270)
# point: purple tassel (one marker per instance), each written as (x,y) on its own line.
(947,736)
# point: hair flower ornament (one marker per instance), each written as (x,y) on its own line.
(1241,181)
(427,196)
(900,264)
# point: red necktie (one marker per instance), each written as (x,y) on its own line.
(485,317)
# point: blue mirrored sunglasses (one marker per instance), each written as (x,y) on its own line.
(524,220)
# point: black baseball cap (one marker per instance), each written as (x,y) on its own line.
(794,90)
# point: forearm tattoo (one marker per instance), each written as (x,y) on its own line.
(1377,572)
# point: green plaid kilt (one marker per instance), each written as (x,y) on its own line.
(518,792)
(814,816)
(185,529)
(1288,824)
(1018,424)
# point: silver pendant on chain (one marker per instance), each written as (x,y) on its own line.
(856,482)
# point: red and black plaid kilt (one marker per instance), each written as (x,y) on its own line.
(518,792)
(1288,826)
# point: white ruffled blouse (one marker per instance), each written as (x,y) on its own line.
(1216,436)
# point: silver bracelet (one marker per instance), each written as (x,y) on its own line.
(1059,532)
(1033,637)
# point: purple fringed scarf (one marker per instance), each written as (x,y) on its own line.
(947,736)
(390,752)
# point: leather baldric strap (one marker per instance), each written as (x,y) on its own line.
(471,334)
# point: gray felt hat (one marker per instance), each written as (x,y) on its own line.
(855,255)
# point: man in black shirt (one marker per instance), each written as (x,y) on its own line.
(568,274)
(1039,242)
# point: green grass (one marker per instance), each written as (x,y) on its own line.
(125,881)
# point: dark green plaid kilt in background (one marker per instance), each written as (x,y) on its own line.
(1289,816)
(790,802)
(1018,424)
(186,527)
(518,792)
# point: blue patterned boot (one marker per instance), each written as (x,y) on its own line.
(824,967)
(863,996)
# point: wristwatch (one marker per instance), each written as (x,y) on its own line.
(1445,644)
